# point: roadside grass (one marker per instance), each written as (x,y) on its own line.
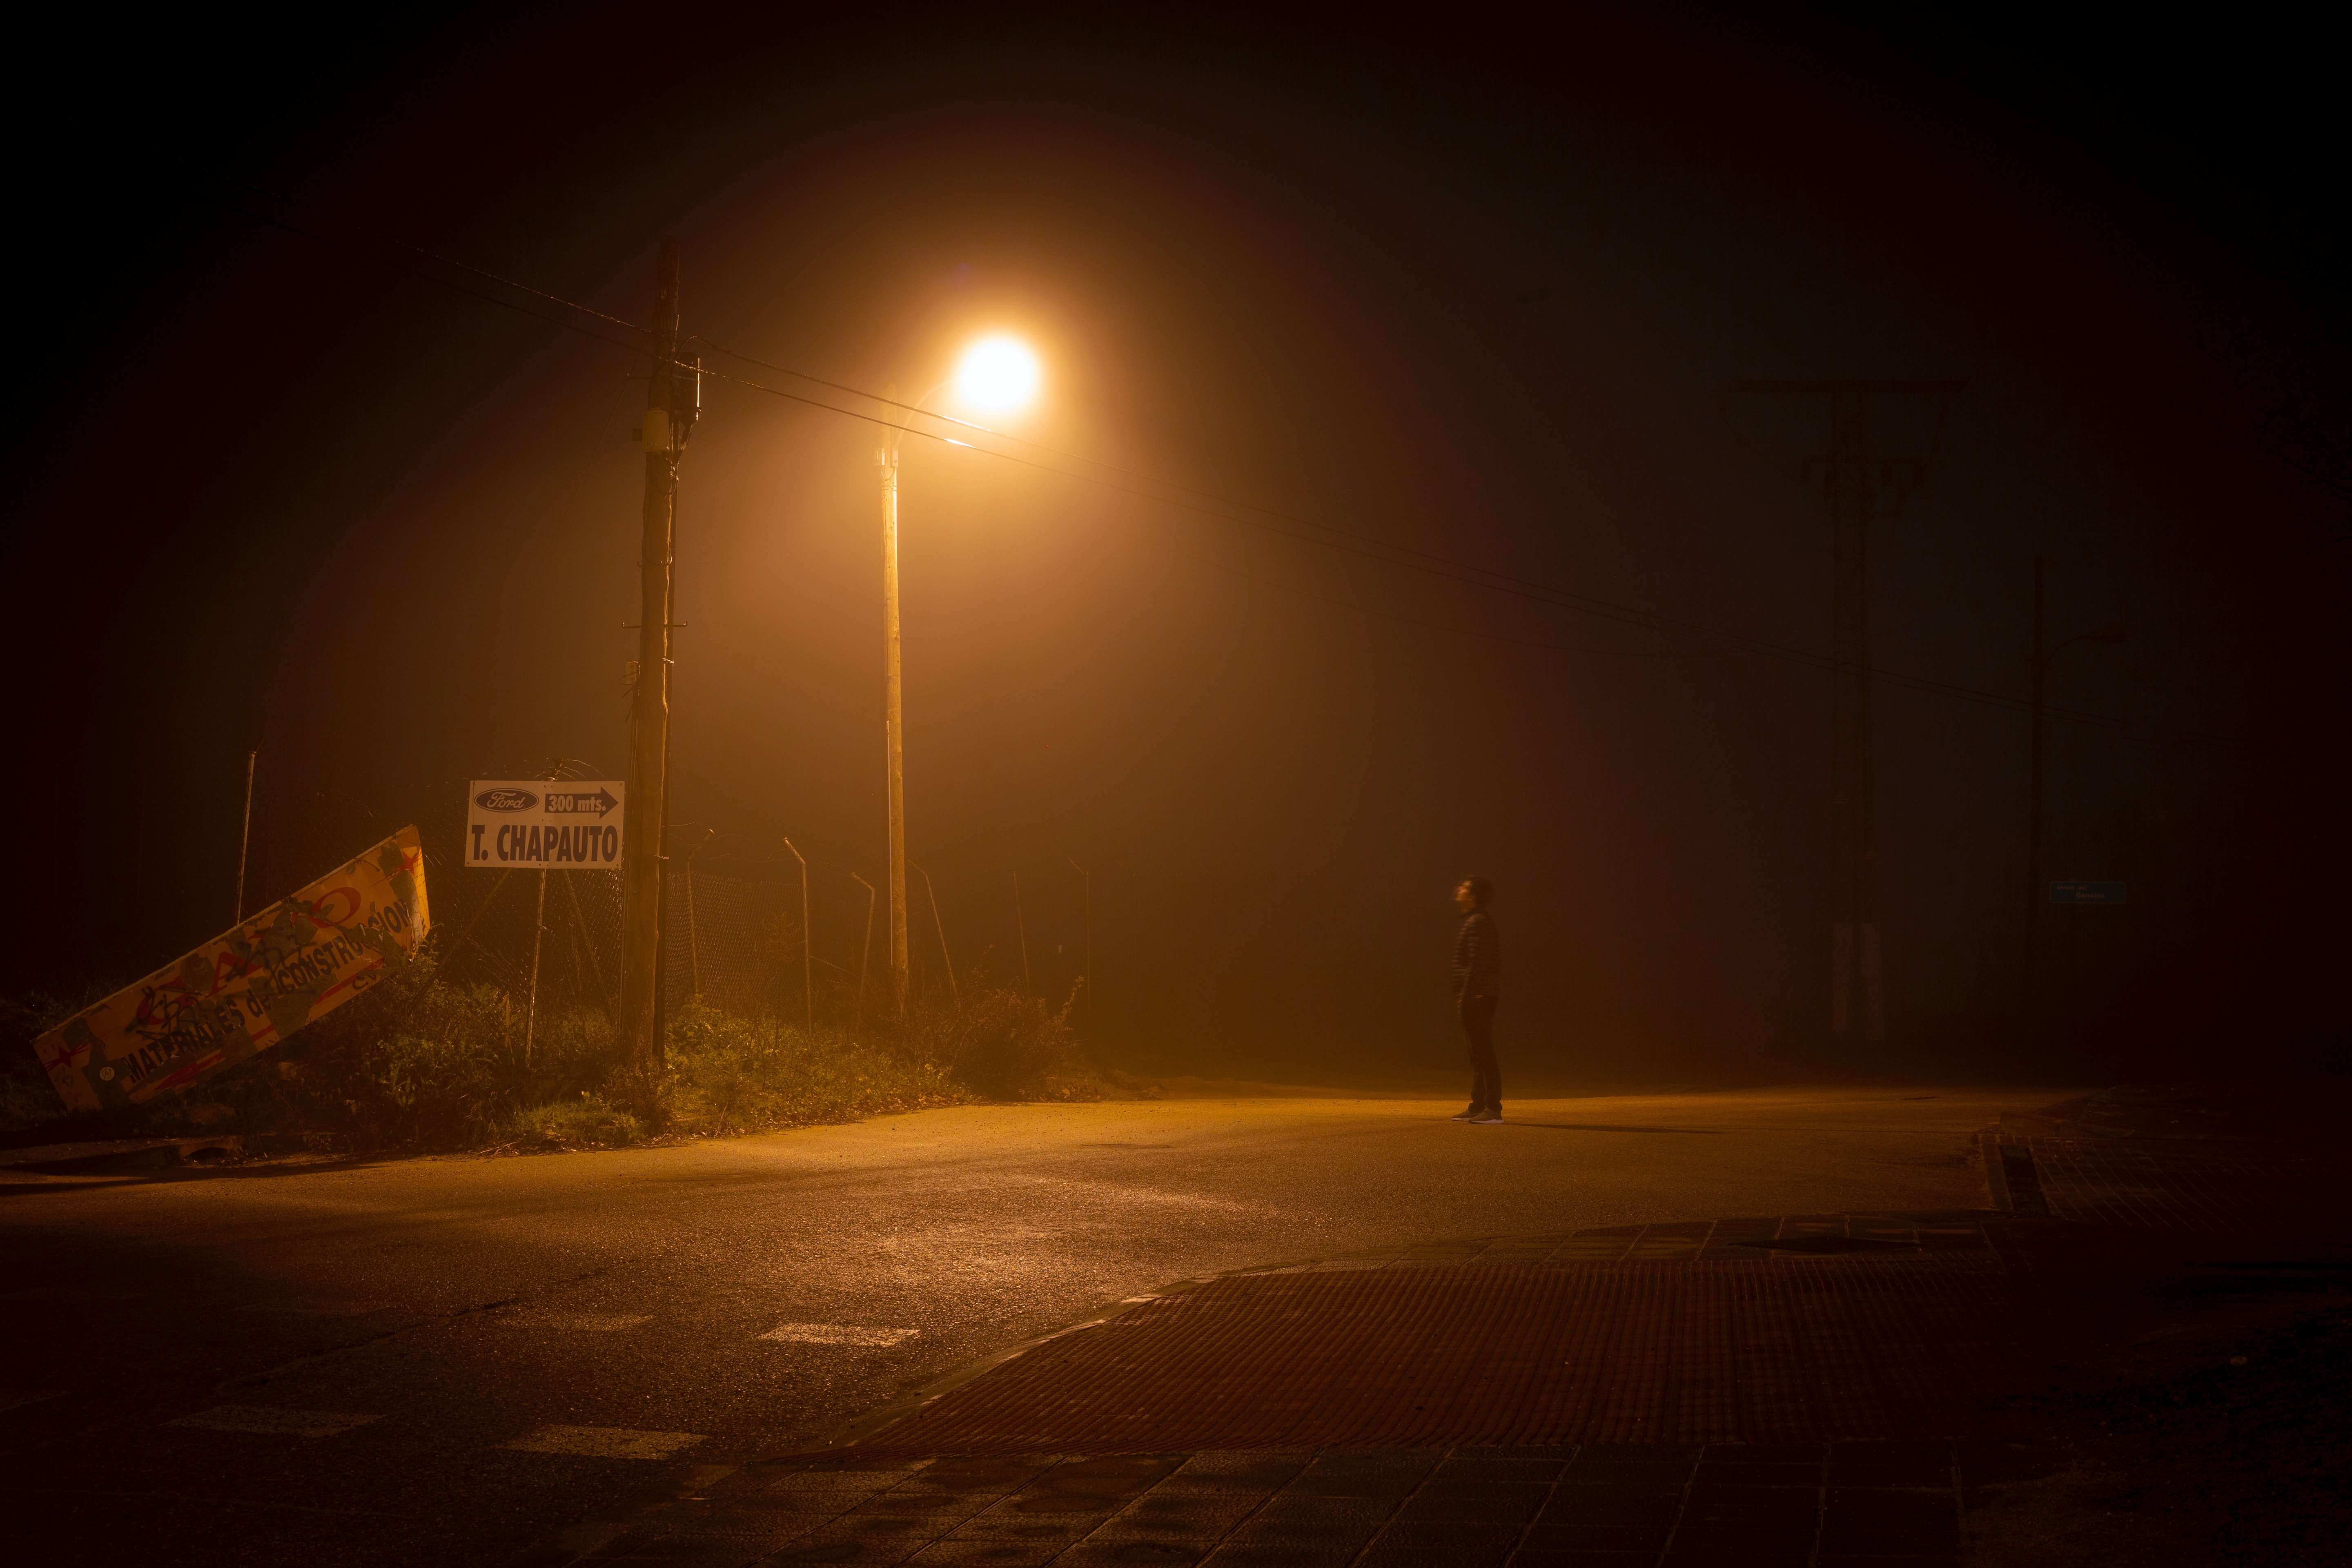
(421,1062)
(592,1121)
(731,1074)
(25,1098)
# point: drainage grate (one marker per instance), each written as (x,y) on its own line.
(2024,1181)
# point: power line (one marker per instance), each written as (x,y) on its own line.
(423,275)
(1497,582)
(445,260)
(1268,520)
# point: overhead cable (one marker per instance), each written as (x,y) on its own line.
(1206,502)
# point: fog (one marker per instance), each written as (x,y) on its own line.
(1389,512)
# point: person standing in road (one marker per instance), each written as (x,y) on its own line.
(1477,983)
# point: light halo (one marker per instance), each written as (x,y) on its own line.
(998,374)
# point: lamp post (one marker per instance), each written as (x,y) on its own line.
(998,374)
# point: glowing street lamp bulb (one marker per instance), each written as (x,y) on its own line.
(997,374)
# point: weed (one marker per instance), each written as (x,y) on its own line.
(729,1073)
(421,1062)
(27,1098)
(589,1119)
(1005,1044)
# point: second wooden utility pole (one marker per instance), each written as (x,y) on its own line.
(2035,893)
(2041,667)
(1859,486)
(672,400)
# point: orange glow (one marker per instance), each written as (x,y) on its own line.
(998,374)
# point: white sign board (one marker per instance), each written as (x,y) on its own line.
(571,824)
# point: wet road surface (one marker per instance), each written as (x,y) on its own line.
(453,1359)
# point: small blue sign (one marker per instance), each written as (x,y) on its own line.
(2086,893)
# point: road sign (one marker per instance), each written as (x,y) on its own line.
(2086,893)
(571,824)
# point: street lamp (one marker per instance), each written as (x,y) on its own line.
(996,375)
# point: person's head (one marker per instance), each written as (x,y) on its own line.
(1473,893)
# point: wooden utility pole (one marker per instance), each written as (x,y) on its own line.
(894,760)
(2040,666)
(2035,893)
(1858,486)
(1857,1006)
(671,404)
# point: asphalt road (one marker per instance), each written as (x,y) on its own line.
(418,1317)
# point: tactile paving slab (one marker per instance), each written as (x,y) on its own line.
(1840,1505)
(1753,1237)
(2289,1192)
(1792,1350)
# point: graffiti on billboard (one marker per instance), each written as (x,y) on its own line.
(247,990)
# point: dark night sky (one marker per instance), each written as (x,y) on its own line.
(1480,293)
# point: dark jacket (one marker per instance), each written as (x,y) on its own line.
(1477,957)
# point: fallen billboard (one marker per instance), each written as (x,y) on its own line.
(246,990)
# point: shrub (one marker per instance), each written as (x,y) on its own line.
(729,1073)
(422,1062)
(1007,1045)
(27,1096)
(457,1056)
(419,1061)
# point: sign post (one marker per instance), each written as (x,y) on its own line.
(542,825)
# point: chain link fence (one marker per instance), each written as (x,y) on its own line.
(758,936)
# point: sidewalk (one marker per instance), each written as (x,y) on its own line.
(1791,1348)
(1755,1505)
(1808,1390)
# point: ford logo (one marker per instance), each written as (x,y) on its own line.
(506,800)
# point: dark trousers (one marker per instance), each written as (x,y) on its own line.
(1485,1076)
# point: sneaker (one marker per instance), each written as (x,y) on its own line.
(1470,1115)
(1488,1118)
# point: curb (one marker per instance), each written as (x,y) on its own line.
(118,1154)
(912,1402)
(2010,1176)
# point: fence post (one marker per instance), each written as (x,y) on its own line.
(530,1009)
(808,985)
(245,845)
(866,952)
(955,986)
(1089,949)
(1021,924)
